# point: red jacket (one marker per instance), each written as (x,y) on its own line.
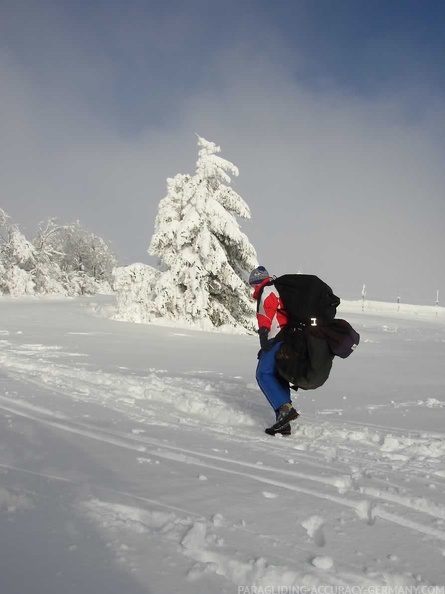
(271,313)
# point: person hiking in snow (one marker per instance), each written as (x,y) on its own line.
(272,318)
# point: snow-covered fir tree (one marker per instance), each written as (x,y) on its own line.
(204,257)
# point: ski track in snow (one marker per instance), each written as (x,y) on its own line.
(365,508)
(370,473)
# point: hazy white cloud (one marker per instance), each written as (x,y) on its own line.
(339,186)
(345,186)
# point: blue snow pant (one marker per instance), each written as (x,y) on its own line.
(275,389)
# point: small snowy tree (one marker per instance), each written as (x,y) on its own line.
(202,252)
(48,276)
(62,260)
(17,257)
(133,285)
(86,260)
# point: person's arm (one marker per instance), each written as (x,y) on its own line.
(267,309)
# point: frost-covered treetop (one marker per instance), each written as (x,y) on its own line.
(210,165)
(213,168)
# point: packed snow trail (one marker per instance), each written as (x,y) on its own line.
(136,457)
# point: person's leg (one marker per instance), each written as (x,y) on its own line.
(276,391)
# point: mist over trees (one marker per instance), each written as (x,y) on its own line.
(203,256)
(61,260)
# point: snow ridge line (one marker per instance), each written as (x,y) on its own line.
(202,400)
(342,482)
(198,397)
(364,509)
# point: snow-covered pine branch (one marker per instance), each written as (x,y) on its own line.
(202,253)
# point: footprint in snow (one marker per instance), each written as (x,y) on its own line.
(313,526)
(322,562)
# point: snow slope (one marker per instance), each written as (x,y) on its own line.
(133,458)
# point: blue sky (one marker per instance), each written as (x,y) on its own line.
(332,110)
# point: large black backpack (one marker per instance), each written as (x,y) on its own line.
(307,299)
(313,337)
(305,357)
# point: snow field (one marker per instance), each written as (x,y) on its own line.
(156,462)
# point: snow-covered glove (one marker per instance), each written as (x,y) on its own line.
(264,340)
